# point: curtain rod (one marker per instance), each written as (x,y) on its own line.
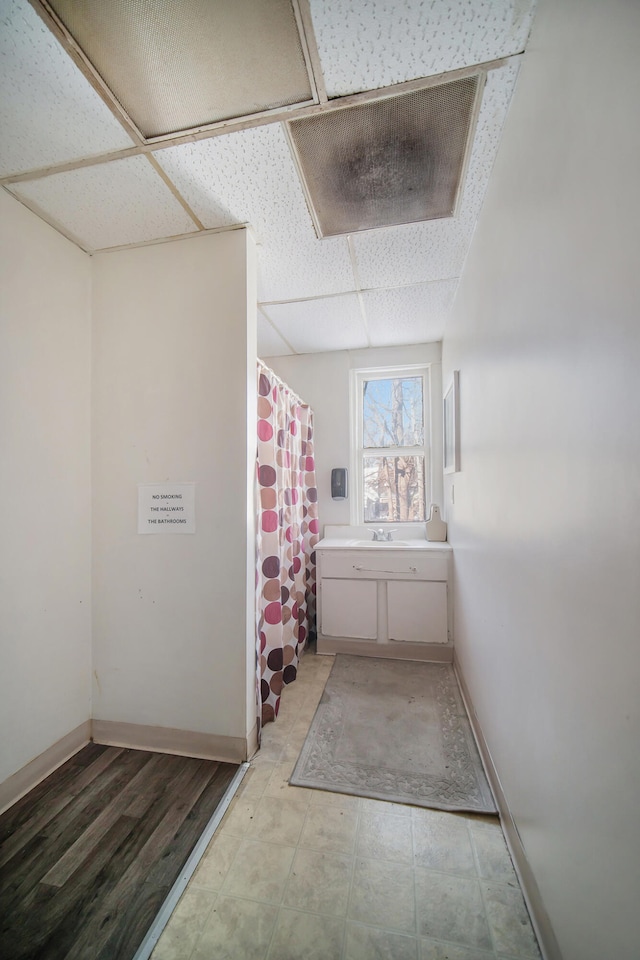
(282,383)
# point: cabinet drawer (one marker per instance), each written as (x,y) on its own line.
(391,565)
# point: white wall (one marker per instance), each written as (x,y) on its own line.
(174,343)
(546,520)
(45,546)
(322,380)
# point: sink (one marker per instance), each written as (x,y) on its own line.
(379,543)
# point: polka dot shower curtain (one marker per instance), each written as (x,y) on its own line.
(287,535)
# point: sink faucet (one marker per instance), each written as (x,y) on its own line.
(379,534)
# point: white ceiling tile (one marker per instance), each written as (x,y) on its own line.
(304,267)
(366,44)
(249,177)
(415,314)
(109,204)
(412,253)
(312,326)
(270,343)
(240,177)
(496,98)
(49,112)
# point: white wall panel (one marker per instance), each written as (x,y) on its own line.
(322,379)
(45,477)
(545,525)
(174,400)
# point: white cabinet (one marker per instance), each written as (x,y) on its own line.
(349,609)
(387,599)
(417,612)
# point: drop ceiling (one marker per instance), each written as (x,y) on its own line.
(176,117)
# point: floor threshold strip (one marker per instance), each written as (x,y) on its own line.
(152,936)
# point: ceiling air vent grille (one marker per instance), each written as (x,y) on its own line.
(176,65)
(384,162)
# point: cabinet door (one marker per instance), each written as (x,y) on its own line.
(348,608)
(417,611)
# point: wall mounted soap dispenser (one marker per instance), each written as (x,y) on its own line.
(339,483)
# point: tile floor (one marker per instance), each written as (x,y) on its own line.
(295,873)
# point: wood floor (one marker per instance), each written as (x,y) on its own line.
(88,857)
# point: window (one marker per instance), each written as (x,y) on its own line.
(390,444)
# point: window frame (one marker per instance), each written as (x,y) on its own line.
(359,452)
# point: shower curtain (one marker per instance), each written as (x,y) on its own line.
(287,532)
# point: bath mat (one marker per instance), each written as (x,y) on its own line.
(394,730)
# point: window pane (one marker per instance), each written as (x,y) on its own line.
(394,489)
(392,412)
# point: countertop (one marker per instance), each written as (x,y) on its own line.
(386,546)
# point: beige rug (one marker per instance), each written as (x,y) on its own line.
(394,730)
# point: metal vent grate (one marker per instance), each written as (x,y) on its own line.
(180,64)
(390,161)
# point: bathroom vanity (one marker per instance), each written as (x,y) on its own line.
(383,598)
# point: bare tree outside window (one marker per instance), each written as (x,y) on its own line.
(393,423)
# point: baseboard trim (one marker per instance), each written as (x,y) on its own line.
(183,743)
(252,741)
(537,910)
(38,769)
(392,650)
